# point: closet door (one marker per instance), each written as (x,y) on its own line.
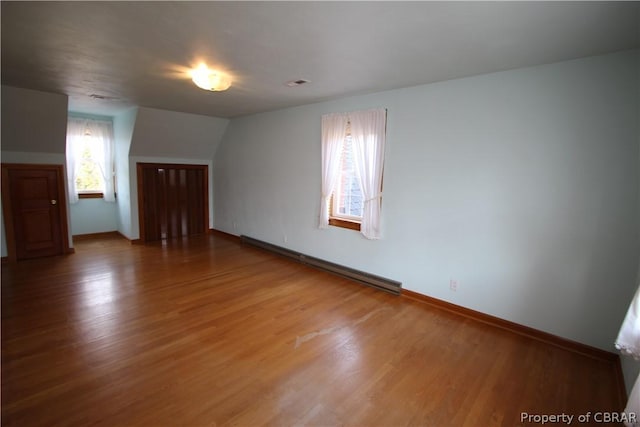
(173,200)
(195,186)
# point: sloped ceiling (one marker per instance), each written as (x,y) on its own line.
(170,134)
(33,121)
(137,53)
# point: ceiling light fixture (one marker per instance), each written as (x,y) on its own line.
(211,80)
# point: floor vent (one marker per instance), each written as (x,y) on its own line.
(377,282)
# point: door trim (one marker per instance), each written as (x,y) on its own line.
(7,207)
(141,166)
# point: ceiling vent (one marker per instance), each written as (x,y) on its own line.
(294,83)
(103,97)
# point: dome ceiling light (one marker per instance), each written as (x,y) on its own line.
(212,80)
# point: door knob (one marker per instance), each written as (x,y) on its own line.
(53,202)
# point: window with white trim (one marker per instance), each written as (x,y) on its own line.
(352,165)
(90,171)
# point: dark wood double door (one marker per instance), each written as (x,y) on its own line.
(173,200)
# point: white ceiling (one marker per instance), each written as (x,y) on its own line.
(137,52)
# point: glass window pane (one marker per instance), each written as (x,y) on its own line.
(348,194)
(89,178)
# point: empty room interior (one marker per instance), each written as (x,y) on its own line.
(320,213)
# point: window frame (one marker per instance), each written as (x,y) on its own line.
(370,137)
(343,221)
(87,194)
(90,195)
(105,156)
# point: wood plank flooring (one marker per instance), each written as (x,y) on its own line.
(208,332)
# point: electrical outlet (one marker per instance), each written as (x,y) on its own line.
(285,239)
(235,225)
(453,285)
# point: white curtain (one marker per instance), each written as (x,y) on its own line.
(628,342)
(334,130)
(633,404)
(100,134)
(75,135)
(102,131)
(368,129)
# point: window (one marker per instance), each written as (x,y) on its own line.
(346,200)
(352,165)
(89,176)
(90,159)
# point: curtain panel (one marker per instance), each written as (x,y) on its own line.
(368,133)
(334,131)
(628,342)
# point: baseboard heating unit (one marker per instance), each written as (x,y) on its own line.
(372,280)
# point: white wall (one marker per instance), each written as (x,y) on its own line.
(522,185)
(34,128)
(123,125)
(90,216)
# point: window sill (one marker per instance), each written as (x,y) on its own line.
(90,195)
(343,223)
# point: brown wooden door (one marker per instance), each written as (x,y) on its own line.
(173,200)
(36,211)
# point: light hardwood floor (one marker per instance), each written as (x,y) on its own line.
(208,332)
